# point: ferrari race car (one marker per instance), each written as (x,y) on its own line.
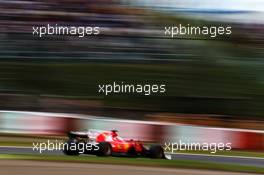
(108,143)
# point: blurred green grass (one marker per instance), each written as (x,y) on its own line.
(207,86)
(242,153)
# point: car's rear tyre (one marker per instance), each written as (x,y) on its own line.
(105,149)
(68,147)
(156,152)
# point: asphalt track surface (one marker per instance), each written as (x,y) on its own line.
(238,160)
(20,167)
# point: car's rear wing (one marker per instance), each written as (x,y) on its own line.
(73,134)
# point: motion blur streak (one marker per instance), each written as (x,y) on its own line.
(214,85)
(42,168)
(61,73)
(57,124)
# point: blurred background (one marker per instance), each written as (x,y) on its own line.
(210,82)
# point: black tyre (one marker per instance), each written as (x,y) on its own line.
(105,149)
(156,152)
(69,148)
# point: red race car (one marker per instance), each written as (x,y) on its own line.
(108,143)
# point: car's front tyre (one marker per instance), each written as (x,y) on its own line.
(156,152)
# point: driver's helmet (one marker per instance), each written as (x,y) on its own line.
(114,133)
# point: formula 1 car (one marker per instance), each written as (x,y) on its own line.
(108,143)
